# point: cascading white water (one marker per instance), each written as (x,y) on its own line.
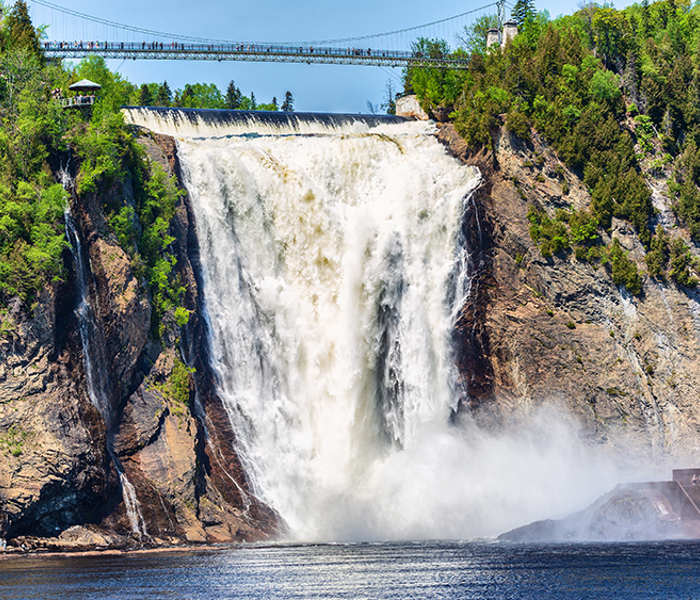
(332,276)
(95,371)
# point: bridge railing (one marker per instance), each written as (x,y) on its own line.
(77,101)
(246,51)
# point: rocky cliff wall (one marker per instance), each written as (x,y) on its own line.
(58,453)
(535,331)
(555,331)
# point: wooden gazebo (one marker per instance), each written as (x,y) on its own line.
(85,91)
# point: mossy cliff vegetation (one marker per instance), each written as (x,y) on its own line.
(71,423)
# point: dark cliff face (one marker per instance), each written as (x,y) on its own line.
(56,468)
(557,331)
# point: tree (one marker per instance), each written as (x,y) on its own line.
(199,95)
(390,100)
(473,37)
(253,104)
(115,91)
(164,97)
(20,32)
(233,96)
(145,97)
(523,10)
(288,104)
(608,32)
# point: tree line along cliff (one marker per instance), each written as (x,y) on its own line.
(63,457)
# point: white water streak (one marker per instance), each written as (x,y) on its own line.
(95,371)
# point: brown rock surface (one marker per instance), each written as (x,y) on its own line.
(56,468)
(559,331)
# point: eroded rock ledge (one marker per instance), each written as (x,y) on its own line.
(56,472)
(556,331)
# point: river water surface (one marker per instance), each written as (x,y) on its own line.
(465,570)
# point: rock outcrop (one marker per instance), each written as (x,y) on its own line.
(59,454)
(555,330)
(641,511)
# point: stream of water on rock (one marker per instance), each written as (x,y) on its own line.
(333,274)
(95,372)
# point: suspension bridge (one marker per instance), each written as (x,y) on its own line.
(75,35)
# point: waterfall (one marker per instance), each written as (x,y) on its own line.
(333,275)
(95,371)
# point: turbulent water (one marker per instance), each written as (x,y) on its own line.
(333,273)
(471,571)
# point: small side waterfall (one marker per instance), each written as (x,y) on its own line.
(97,377)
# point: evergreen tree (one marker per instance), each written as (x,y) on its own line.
(274,102)
(233,96)
(253,105)
(390,101)
(145,96)
(20,32)
(164,97)
(288,104)
(522,10)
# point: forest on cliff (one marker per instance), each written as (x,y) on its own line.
(38,141)
(616,94)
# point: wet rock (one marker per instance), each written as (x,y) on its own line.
(559,331)
(622,514)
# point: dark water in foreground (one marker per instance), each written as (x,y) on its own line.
(628,571)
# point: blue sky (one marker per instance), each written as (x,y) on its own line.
(316,88)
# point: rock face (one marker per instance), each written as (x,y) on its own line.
(59,454)
(641,511)
(557,331)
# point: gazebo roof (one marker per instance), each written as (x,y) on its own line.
(85,85)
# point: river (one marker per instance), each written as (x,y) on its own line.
(397,571)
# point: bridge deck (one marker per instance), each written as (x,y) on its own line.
(248,52)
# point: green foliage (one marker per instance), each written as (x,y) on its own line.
(570,228)
(19,33)
(473,37)
(199,95)
(624,270)
(13,441)
(179,383)
(32,125)
(116,91)
(288,104)
(435,87)
(146,96)
(156,203)
(163,96)
(680,264)
(233,97)
(657,257)
(101,145)
(550,234)
(605,86)
(522,11)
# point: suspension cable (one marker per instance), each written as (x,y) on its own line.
(152,32)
